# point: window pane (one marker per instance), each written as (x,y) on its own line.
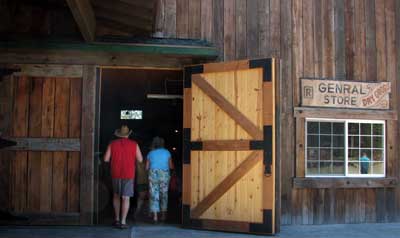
(378,129)
(325,127)
(338,154)
(353,168)
(312,127)
(325,141)
(354,155)
(365,163)
(354,128)
(377,155)
(378,168)
(312,141)
(338,168)
(338,128)
(338,141)
(365,142)
(365,152)
(377,142)
(353,141)
(325,168)
(312,168)
(131,115)
(312,154)
(325,154)
(365,129)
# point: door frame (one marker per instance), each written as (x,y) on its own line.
(97,132)
(271,73)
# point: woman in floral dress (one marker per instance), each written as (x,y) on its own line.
(159,164)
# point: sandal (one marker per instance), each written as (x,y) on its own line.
(116,224)
(124,226)
(154,221)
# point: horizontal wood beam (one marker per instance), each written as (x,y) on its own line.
(227,107)
(90,58)
(230,180)
(131,48)
(223,225)
(225,145)
(42,70)
(45,144)
(84,17)
(309,112)
(226,66)
(344,182)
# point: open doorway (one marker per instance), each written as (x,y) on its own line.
(148,101)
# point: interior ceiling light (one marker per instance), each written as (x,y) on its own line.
(164,96)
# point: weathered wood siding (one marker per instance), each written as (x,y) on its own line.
(351,39)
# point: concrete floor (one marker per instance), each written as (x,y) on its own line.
(384,230)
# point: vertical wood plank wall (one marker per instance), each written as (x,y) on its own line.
(6,118)
(351,39)
(42,181)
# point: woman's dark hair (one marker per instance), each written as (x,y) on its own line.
(157,142)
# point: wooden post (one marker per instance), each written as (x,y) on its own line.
(87,144)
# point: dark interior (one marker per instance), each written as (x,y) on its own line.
(127,89)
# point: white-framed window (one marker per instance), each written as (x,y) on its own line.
(345,148)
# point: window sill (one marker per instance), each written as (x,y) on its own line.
(344,182)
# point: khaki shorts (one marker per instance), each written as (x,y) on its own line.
(123,187)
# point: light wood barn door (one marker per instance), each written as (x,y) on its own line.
(228,171)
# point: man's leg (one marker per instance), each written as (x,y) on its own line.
(124,208)
(140,201)
(117,206)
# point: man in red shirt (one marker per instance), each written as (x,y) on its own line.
(123,154)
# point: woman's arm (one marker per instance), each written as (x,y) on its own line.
(107,155)
(171,164)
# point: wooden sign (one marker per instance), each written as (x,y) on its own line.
(345,94)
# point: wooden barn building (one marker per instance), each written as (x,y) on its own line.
(277,112)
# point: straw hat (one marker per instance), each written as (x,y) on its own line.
(123,132)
